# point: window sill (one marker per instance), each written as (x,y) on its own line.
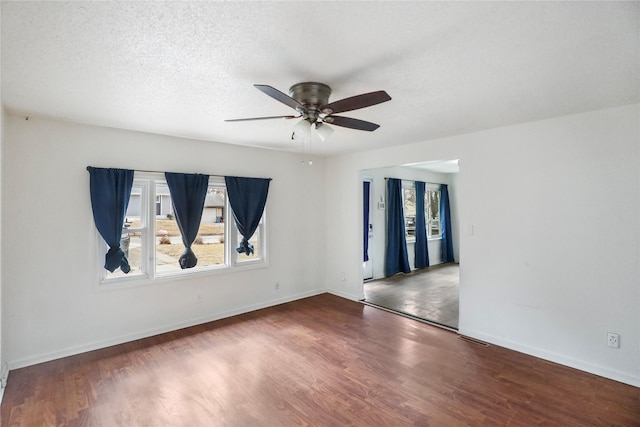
(412,240)
(119,283)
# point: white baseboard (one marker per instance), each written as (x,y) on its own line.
(345,295)
(560,359)
(96,345)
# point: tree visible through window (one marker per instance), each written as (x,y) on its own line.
(432,207)
(409,198)
(431,211)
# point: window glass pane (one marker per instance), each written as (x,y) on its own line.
(131,245)
(131,238)
(254,240)
(409,196)
(433,212)
(209,244)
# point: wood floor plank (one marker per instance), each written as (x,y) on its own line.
(321,361)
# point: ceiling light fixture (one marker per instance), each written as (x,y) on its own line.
(323,131)
(301,131)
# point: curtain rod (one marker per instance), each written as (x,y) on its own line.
(150,171)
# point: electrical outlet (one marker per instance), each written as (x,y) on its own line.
(277,285)
(613,340)
(199,299)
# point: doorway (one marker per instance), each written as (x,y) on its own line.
(430,293)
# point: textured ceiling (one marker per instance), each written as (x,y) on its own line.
(451,67)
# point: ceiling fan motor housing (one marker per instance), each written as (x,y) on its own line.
(312,96)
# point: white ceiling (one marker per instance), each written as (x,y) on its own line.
(451,67)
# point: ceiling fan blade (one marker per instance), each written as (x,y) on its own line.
(356,102)
(279,96)
(262,118)
(348,122)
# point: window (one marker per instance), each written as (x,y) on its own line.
(409,205)
(133,234)
(431,209)
(432,213)
(209,244)
(257,240)
(152,241)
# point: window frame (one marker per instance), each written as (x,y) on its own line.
(149,181)
(427,207)
(429,186)
(235,235)
(410,186)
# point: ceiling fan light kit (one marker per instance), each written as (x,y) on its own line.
(311,101)
(323,131)
(301,130)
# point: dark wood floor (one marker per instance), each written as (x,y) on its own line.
(321,361)
(430,293)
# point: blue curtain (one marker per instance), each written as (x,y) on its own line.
(421,249)
(110,192)
(188,192)
(445,223)
(397,259)
(365,217)
(247,197)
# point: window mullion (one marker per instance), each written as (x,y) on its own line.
(230,236)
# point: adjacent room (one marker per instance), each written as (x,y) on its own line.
(198,198)
(413,268)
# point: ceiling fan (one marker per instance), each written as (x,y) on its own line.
(311,101)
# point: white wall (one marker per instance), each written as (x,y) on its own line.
(553,263)
(52,307)
(3,371)
(377,243)
(454,201)
(2,119)
(2,355)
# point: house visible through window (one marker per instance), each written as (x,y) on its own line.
(152,241)
(208,246)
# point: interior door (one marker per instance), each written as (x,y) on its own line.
(367,231)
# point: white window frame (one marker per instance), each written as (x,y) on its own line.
(148,182)
(407,185)
(427,207)
(410,185)
(235,235)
